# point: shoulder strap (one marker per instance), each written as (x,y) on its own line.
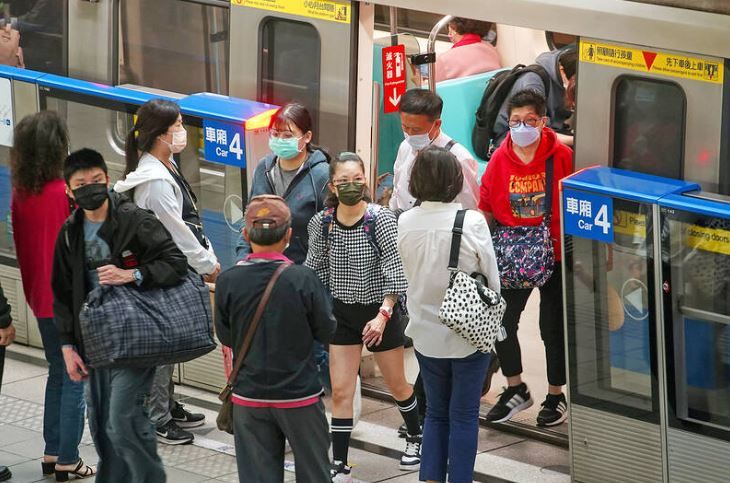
(549,163)
(456,232)
(368,225)
(450,145)
(327,220)
(251,331)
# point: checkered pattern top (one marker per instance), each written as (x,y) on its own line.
(348,264)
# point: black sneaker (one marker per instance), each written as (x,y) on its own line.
(410,460)
(491,371)
(186,419)
(511,401)
(554,411)
(171,433)
(403,429)
(340,473)
(5,473)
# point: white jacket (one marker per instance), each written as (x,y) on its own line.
(155,189)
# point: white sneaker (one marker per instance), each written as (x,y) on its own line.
(410,460)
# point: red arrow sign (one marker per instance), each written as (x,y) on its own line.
(394,77)
(649,58)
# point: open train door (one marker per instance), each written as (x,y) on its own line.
(299,50)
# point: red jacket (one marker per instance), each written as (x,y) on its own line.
(514,192)
(37,219)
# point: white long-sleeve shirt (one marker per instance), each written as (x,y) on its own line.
(155,189)
(424,243)
(401,199)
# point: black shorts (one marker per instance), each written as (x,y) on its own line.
(351,320)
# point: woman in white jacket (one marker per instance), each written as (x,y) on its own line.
(155,182)
(453,371)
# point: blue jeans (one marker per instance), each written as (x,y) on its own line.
(63,416)
(124,436)
(450,433)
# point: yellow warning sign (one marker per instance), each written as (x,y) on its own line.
(335,11)
(655,62)
(630,224)
(708,239)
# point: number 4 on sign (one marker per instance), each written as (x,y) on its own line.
(601,219)
(235,146)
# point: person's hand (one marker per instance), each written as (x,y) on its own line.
(211,277)
(372,334)
(75,366)
(7,335)
(113,275)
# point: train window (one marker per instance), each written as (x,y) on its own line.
(161,39)
(290,65)
(7,248)
(649,126)
(42,26)
(557,40)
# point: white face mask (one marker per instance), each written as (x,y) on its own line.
(419,141)
(179,141)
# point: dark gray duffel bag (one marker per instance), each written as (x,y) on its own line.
(125,326)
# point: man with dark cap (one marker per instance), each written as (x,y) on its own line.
(277,393)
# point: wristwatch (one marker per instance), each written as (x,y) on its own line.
(137,276)
(386,312)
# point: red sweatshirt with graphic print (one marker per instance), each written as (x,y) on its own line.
(514,192)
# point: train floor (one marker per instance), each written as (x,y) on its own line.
(375,445)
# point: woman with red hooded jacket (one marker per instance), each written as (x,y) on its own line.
(513,194)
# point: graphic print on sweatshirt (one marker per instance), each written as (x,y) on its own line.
(527,195)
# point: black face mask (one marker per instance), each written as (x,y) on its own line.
(91,196)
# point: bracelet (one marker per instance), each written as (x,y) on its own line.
(385,313)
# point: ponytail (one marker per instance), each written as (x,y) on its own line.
(131,151)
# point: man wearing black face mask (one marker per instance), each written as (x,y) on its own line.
(108,240)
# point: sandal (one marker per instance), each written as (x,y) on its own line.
(82,470)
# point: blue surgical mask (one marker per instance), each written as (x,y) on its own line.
(284,148)
(524,135)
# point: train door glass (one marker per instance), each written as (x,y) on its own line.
(611,332)
(103,125)
(290,60)
(178,46)
(7,247)
(648,126)
(697,317)
(43,37)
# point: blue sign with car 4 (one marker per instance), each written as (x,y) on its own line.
(224,143)
(588,215)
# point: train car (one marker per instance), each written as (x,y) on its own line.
(653,96)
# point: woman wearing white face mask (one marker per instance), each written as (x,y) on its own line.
(155,183)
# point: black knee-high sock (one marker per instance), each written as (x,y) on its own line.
(341,430)
(409,410)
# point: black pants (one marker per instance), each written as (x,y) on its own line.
(551,329)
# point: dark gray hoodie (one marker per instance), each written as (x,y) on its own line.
(305,197)
(556,110)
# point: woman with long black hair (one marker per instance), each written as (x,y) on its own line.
(155,182)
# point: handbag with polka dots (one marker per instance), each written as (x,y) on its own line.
(470,308)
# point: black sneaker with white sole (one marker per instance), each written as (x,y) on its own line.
(554,411)
(410,460)
(340,472)
(171,433)
(513,400)
(184,418)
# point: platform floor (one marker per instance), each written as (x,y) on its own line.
(502,457)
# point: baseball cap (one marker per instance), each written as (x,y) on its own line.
(267,211)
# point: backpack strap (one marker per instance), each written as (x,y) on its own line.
(456,233)
(368,225)
(327,219)
(450,145)
(549,165)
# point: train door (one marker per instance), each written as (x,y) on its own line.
(662,116)
(280,53)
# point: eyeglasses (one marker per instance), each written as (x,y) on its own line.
(531,122)
(275,133)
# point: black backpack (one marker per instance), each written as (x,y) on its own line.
(496,92)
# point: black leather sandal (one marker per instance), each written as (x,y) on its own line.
(48,468)
(82,470)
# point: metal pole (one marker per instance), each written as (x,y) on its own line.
(393,22)
(431,48)
(2,364)
(374,158)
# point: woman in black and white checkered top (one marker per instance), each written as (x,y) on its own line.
(352,247)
